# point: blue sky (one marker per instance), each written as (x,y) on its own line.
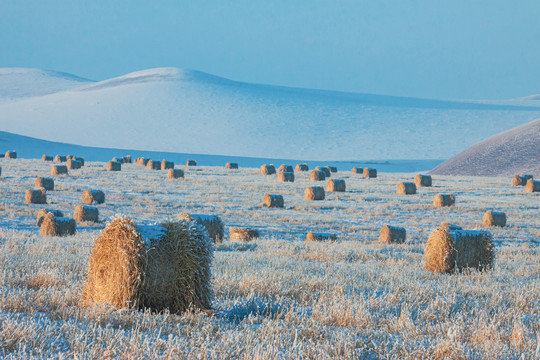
(436,49)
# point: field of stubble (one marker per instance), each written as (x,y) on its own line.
(277,297)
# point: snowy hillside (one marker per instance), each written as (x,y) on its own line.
(184,111)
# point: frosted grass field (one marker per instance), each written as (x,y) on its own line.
(277,297)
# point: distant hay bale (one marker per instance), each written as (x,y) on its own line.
(317,175)
(302,167)
(90,197)
(231,165)
(493,218)
(286,176)
(10,154)
(59,169)
(45,182)
(46,158)
(441,200)
(86,213)
(167,165)
(521,180)
(57,226)
(370,173)
(285,168)
(118,159)
(80,159)
(211,223)
(60,158)
(127,159)
(455,250)
(335,185)
(450,226)
(267,169)
(312,236)
(357,170)
(325,169)
(142,161)
(273,201)
(41,215)
(532,186)
(175,174)
(73,164)
(422,180)
(153,165)
(332,169)
(314,193)
(191,163)
(242,234)
(392,234)
(156,267)
(38,196)
(69,157)
(114,166)
(406,188)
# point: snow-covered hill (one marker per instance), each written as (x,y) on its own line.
(184,111)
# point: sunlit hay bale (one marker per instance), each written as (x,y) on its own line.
(273,201)
(191,163)
(127,159)
(175,174)
(10,154)
(370,173)
(86,213)
(311,236)
(57,226)
(332,169)
(336,185)
(242,234)
(492,218)
(317,175)
(36,196)
(60,158)
(286,176)
(449,226)
(73,164)
(267,169)
(167,165)
(357,170)
(118,159)
(211,223)
(142,161)
(285,168)
(325,170)
(392,234)
(90,197)
(41,215)
(422,180)
(59,169)
(80,159)
(44,182)
(114,166)
(406,188)
(302,167)
(230,165)
(441,200)
(153,165)
(521,180)
(532,186)
(46,158)
(314,193)
(455,250)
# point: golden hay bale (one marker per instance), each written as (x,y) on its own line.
(314,193)
(167,165)
(302,167)
(392,234)
(332,169)
(325,169)
(191,163)
(285,168)
(370,173)
(286,176)
(73,164)
(441,200)
(267,169)
(38,196)
(311,236)
(455,250)
(273,201)
(242,234)
(532,186)
(406,188)
(114,166)
(46,158)
(492,218)
(211,223)
(59,169)
(57,226)
(10,154)
(357,170)
(86,213)
(521,179)
(422,180)
(230,165)
(175,174)
(60,158)
(317,175)
(90,197)
(45,182)
(335,185)
(118,159)
(153,165)
(41,214)
(142,161)
(447,225)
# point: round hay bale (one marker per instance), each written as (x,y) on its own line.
(357,170)
(406,188)
(492,218)
(324,169)
(242,234)
(302,167)
(332,169)
(127,159)
(44,182)
(273,201)
(46,158)
(90,197)
(36,196)
(286,176)
(447,225)
(370,173)
(10,154)
(267,169)
(422,180)
(317,175)
(41,214)
(335,185)
(191,163)
(73,164)
(153,165)
(59,170)
(285,168)
(441,200)
(86,213)
(167,165)
(314,193)
(142,161)
(80,159)
(118,159)
(521,180)
(448,251)
(60,158)
(57,226)
(532,186)
(211,223)
(114,166)
(392,234)
(175,174)
(230,165)
(312,236)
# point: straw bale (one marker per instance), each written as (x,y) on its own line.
(36,196)
(422,180)
(60,158)
(191,163)
(493,218)
(406,188)
(286,176)
(153,165)
(370,173)
(302,167)
(242,234)
(127,159)
(357,170)
(57,226)
(73,164)
(230,165)
(86,213)
(532,186)
(11,154)
(46,158)
(44,182)
(211,223)
(41,214)
(268,169)
(273,201)
(317,175)
(450,226)
(324,169)
(175,174)
(59,169)
(314,193)
(392,234)
(285,168)
(90,197)
(335,185)
(441,200)
(114,166)
(167,165)
(312,236)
